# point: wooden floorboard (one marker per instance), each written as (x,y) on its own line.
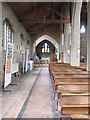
(13,102)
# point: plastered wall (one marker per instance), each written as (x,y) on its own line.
(18,29)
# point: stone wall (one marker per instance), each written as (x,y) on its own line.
(18,30)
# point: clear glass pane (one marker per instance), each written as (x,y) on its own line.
(42,50)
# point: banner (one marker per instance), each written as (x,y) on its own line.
(23,60)
(26,68)
(8,64)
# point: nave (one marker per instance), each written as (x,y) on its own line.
(58,91)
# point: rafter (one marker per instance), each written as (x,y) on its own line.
(47,31)
(35,8)
(29,12)
(32,26)
(48,21)
(39,27)
(53,15)
(58,13)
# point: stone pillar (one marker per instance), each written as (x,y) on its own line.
(61,46)
(66,35)
(75,46)
(88,38)
(66,42)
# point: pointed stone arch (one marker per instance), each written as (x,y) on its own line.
(47,37)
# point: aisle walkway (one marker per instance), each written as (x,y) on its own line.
(39,105)
(32,98)
(13,102)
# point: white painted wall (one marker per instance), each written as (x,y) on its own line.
(18,29)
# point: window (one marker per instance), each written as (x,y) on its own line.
(8,34)
(45,48)
(82,30)
(62,39)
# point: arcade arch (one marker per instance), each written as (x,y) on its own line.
(48,38)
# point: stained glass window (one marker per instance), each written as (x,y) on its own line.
(45,48)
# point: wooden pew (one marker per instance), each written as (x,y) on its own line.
(71,83)
(70,89)
(71,73)
(74,105)
(66,83)
(60,70)
(65,69)
(61,75)
(70,80)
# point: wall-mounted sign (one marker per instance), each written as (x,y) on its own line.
(26,68)
(23,60)
(8,64)
(78,52)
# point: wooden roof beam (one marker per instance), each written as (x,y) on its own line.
(58,13)
(32,26)
(30,11)
(47,31)
(35,8)
(48,21)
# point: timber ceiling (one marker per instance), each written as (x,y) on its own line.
(38,16)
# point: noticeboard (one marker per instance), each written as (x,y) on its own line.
(8,64)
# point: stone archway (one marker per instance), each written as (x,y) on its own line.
(48,38)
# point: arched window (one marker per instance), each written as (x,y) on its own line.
(8,34)
(45,48)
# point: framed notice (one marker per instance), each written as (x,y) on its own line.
(8,64)
(78,52)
